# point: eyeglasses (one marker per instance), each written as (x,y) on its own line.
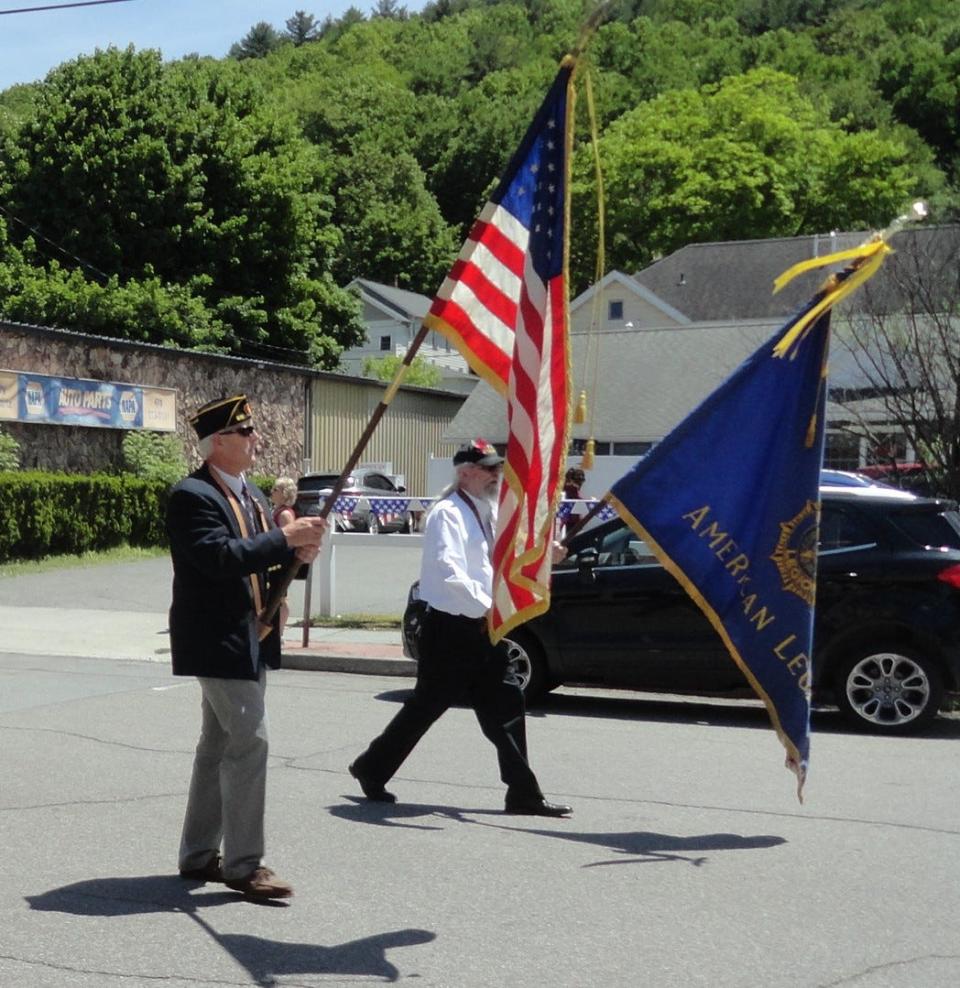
(490,468)
(243,430)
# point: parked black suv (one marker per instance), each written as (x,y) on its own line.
(887,632)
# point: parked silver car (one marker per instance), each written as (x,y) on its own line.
(369,502)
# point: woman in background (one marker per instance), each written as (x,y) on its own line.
(283,496)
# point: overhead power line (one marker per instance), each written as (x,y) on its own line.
(53,243)
(61,6)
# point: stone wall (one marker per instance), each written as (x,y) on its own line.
(275,390)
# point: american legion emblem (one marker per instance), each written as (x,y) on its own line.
(796,553)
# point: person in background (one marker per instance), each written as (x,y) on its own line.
(457,660)
(223,542)
(283,497)
(573,481)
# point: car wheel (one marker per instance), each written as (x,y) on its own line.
(529,666)
(895,690)
(373,524)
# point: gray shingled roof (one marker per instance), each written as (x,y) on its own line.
(407,305)
(648,380)
(734,280)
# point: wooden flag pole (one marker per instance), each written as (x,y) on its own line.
(279,590)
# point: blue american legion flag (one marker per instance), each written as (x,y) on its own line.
(504,305)
(729,503)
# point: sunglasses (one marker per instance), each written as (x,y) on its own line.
(243,430)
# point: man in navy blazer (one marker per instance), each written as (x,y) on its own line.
(224,543)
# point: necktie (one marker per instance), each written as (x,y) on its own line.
(249,510)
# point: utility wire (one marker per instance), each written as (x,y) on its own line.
(61,6)
(53,243)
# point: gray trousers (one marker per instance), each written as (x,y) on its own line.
(228,787)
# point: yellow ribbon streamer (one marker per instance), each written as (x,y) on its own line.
(867,260)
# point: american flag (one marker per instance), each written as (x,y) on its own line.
(504,305)
(388,509)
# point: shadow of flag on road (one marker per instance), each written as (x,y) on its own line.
(265,960)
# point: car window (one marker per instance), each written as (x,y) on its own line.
(616,546)
(378,482)
(929,528)
(843,531)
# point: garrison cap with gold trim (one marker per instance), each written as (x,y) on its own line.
(221,414)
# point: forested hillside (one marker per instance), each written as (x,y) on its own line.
(223,204)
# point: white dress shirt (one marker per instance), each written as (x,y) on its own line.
(456,573)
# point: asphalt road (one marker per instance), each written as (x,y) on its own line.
(688,860)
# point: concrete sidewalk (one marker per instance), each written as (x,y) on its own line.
(106,634)
(375,653)
(119,611)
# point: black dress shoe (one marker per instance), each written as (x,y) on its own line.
(210,872)
(535,806)
(374,791)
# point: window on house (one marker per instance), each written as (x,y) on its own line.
(842,451)
(385,343)
(631,449)
(579,446)
(615,310)
(885,448)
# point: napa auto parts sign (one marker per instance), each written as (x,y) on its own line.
(39,398)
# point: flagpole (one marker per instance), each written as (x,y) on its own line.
(279,590)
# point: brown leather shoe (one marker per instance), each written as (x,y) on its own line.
(261,883)
(210,872)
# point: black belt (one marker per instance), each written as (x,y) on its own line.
(460,617)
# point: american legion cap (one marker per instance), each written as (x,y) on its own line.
(221,414)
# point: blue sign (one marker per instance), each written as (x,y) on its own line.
(43,399)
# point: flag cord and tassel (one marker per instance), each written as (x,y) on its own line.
(279,590)
(592,356)
(866,261)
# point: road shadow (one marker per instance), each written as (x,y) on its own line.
(360,810)
(645,847)
(712,712)
(634,847)
(674,709)
(265,960)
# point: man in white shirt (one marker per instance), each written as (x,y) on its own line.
(457,661)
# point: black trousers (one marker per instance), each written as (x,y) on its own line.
(458,664)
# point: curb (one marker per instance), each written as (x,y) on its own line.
(313,660)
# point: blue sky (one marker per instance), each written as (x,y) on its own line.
(33,43)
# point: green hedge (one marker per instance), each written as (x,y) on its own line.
(44,514)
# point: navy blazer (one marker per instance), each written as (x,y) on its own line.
(213,621)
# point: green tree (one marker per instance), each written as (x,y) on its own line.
(154,456)
(182,180)
(392,228)
(389,10)
(750,157)
(421,373)
(492,119)
(301,28)
(258,42)
(10,451)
